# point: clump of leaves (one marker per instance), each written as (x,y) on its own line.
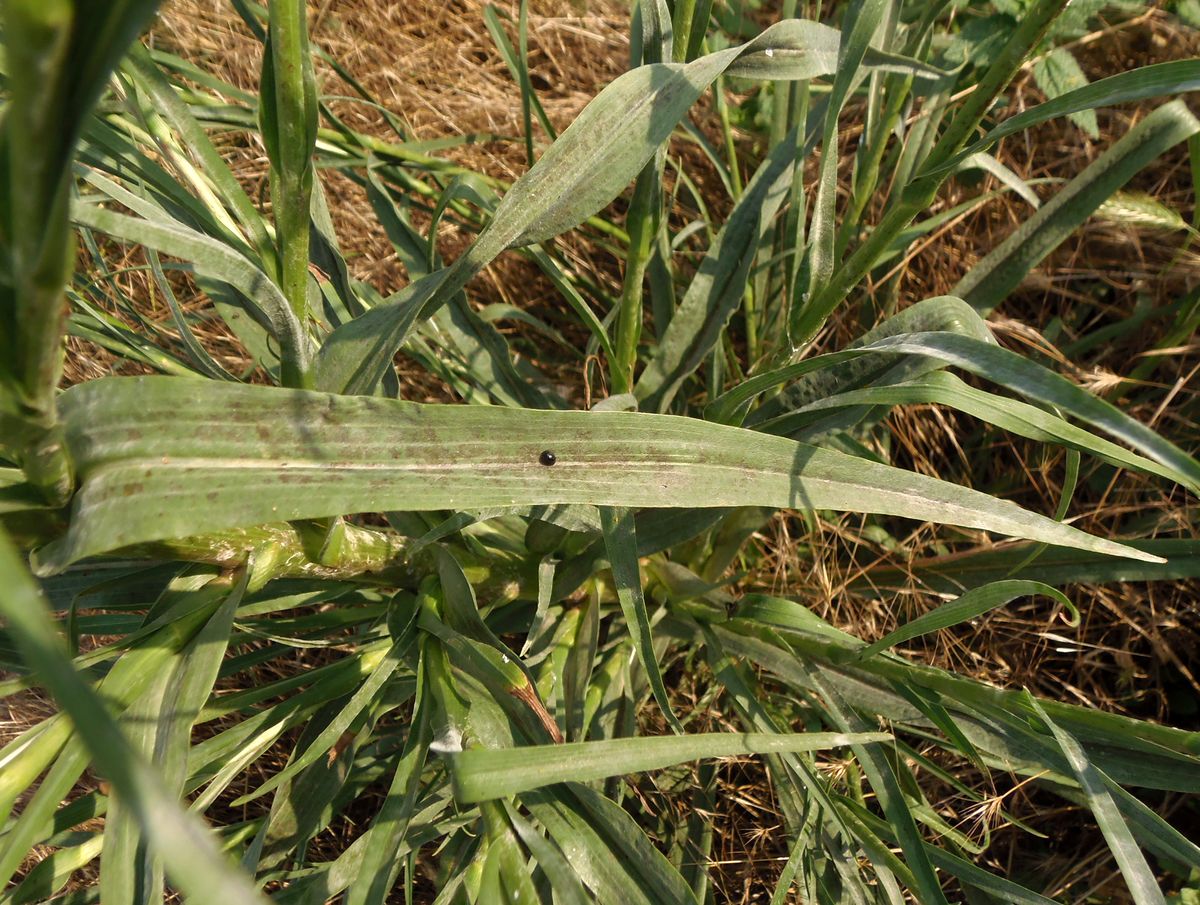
(486,596)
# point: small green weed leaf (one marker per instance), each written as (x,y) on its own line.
(1058,73)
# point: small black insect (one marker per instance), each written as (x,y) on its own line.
(547,458)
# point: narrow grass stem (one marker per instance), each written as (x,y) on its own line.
(685,12)
(641,224)
(735,175)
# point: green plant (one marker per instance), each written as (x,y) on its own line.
(474,602)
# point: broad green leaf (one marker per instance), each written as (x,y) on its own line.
(288,125)
(970,605)
(355,356)
(481,774)
(601,151)
(160,461)
(1001,271)
(503,846)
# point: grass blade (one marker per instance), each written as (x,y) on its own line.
(621,540)
(993,278)
(248,455)
(1137,873)
(481,774)
(716,290)
(1159,80)
(974,603)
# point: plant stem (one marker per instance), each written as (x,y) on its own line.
(641,224)
(681,29)
(290,130)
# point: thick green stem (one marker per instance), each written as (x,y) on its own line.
(920,193)
(290,130)
(301,550)
(37,137)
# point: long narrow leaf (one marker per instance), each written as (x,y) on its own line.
(160,462)
(970,605)
(480,774)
